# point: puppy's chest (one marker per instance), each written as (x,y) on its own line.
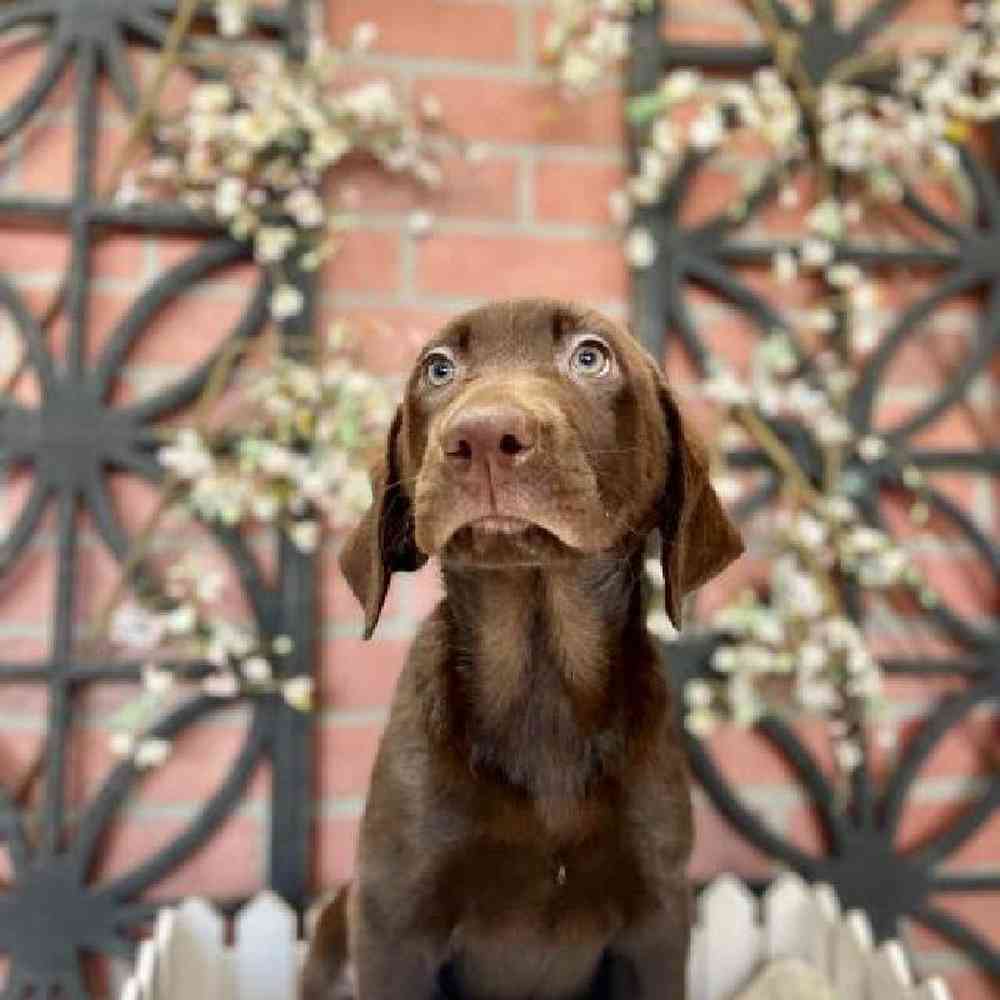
(515,872)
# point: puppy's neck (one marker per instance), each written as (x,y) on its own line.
(535,653)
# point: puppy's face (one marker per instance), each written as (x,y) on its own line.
(534,432)
(531,432)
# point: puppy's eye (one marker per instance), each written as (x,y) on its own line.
(439,370)
(591,359)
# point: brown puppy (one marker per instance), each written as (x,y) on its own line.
(528,824)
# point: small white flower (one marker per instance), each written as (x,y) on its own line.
(122,744)
(420,223)
(430,107)
(282,645)
(298,692)
(707,130)
(660,625)
(305,535)
(640,247)
(698,693)
(364,36)
(816,253)
(286,302)
(229,196)
(700,723)
(156,680)
(257,670)
(272,243)
(849,755)
(212,97)
(306,208)
(620,207)
(181,620)
(871,448)
(151,752)
(220,686)
(784,267)
(680,85)
(136,627)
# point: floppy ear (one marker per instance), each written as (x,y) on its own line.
(699,539)
(383,541)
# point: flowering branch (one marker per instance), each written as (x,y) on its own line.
(789,646)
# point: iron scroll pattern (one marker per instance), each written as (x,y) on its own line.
(51,912)
(861,859)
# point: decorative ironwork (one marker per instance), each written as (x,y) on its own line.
(52,913)
(861,859)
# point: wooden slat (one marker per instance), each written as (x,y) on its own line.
(852,949)
(729,915)
(265,959)
(790,912)
(196,958)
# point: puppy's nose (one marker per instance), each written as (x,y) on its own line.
(502,435)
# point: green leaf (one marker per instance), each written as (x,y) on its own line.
(645,107)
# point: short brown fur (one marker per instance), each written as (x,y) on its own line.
(528,825)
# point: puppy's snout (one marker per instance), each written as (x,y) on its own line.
(497,435)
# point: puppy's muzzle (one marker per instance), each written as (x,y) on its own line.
(486,439)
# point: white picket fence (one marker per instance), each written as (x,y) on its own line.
(187,958)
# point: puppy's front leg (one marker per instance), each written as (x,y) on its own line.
(394,963)
(654,956)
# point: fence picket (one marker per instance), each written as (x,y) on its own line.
(819,923)
(187,959)
(698,964)
(197,961)
(932,989)
(788,909)
(888,974)
(266,960)
(852,948)
(729,913)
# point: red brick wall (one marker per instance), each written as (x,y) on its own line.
(531,218)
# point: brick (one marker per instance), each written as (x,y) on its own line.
(347,752)
(965,584)
(185,332)
(358,674)
(967,749)
(230,865)
(979,911)
(571,191)
(748,571)
(497,266)
(972,984)
(441,29)
(336,848)
(423,591)
(953,429)
(201,759)
(523,112)
(718,848)
(388,338)
(28,591)
(366,262)
(341,606)
(24,252)
(709,195)
(747,758)
(485,189)
(48,162)
(923,821)
(172,250)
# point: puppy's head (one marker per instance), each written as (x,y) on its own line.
(534,432)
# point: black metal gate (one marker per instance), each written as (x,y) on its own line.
(862,859)
(52,912)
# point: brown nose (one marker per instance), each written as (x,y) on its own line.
(501,435)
